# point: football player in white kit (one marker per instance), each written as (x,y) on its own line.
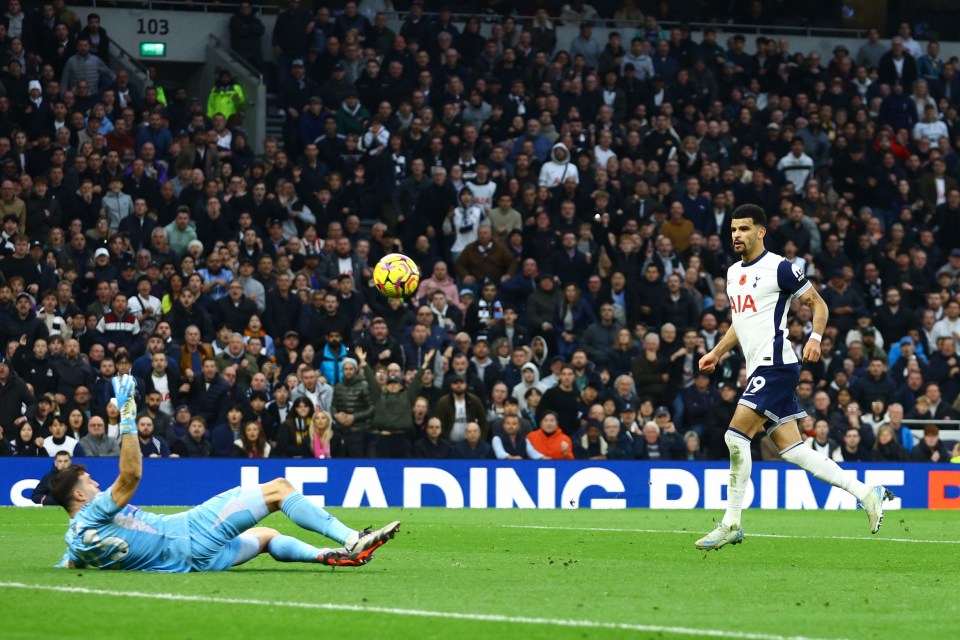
(760,288)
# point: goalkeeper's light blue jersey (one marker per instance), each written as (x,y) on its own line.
(105,536)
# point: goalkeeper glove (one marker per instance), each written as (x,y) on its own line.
(124,388)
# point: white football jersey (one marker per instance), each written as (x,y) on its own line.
(760,294)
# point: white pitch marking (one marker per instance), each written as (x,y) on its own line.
(416,613)
(748,535)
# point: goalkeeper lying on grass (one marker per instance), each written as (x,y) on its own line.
(107,532)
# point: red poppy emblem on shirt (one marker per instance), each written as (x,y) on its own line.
(743,279)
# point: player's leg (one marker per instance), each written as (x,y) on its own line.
(788,441)
(289,549)
(745,424)
(252,542)
(279,494)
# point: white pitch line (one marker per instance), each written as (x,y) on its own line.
(416,613)
(748,535)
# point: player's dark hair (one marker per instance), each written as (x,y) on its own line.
(64,482)
(752,211)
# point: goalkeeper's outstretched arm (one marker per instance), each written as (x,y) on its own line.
(131,460)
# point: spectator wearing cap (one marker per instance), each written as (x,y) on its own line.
(103,270)
(335,89)
(294,94)
(352,116)
(291,37)
(23,321)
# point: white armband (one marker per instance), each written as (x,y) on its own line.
(816,336)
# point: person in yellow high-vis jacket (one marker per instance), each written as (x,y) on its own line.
(226,97)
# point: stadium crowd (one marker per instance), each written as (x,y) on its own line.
(568,203)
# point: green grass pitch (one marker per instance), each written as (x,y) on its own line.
(463,574)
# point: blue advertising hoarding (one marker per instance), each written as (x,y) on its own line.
(494,484)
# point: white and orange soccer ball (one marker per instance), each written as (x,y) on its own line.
(396,276)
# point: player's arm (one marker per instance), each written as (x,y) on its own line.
(821,313)
(131,460)
(710,361)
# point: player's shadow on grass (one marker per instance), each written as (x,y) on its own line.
(308,569)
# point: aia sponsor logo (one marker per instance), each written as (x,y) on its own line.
(743,304)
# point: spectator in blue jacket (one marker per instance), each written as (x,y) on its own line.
(331,360)
(155,133)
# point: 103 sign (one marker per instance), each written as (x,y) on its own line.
(153,27)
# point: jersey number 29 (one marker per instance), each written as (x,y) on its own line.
(755,384)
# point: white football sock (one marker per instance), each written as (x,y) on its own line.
(823,468)
(741,464)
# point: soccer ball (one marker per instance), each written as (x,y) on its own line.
(396,276)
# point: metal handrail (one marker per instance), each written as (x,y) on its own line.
(916,421)
(126,55)
(220,44)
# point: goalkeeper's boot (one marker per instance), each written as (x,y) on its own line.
(721,535)
(332,557)
(360,545)
(873,505)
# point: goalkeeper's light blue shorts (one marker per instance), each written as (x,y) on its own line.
(216,524)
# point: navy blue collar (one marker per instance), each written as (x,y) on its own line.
(755,260)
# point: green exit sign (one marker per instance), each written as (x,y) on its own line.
(153,50)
